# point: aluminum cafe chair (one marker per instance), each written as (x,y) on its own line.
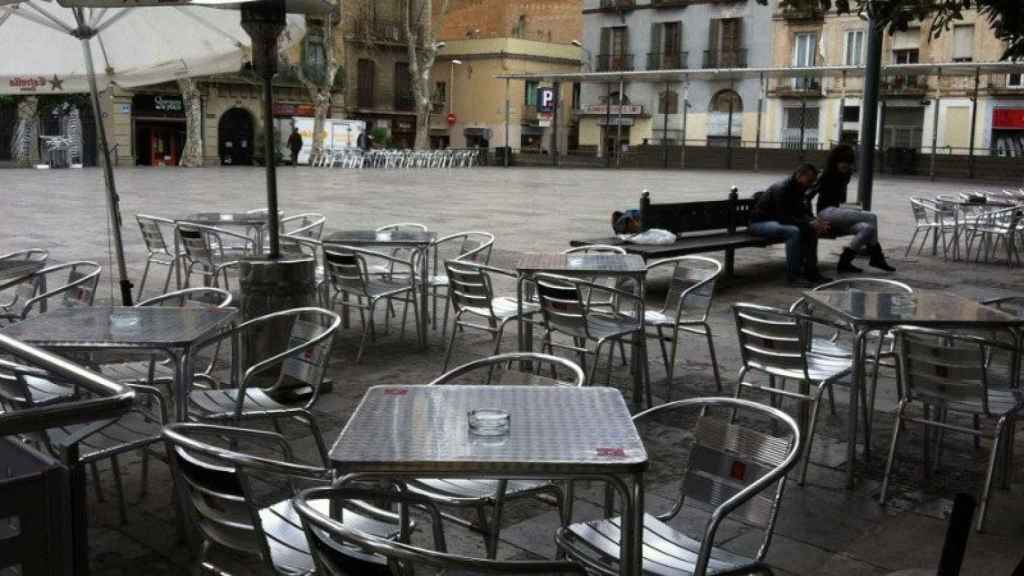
(349,277)
(607,301)
(403,253)
(686,308)
(135,431)
(563,304)
(158,250)
(946,372)
(773,342)
(293,391)
(204,250)
(30,255)
(483,495)
(833,344)
(331,541)
(472,246)
(308,225)
(476,306)
(931,219)
(731,469)
(78,288)
(222,477)
(993,227)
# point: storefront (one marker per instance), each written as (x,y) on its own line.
(477,137)
(1008,131)
(403,132)
(158,125)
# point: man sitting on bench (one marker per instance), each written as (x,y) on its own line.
(781,212)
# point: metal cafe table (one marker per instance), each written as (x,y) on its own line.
(405,432)
(961,205)
(416,240)
(257,221)
(589,266)
(868,312)
(171,331)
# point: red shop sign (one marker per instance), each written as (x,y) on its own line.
(1012,118)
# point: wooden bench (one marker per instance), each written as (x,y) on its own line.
(710,226)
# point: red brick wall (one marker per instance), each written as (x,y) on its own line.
(559,21)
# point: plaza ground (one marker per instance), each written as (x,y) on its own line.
(823,528)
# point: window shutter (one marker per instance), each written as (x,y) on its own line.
(907,40)
(679,37)
(656,45)
(963,42)
(606,41)
(714,48)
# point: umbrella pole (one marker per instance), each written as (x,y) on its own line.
(108,175)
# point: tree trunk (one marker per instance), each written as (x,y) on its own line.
(25,135)
(421,91)
(321,91)
(321,109)
(420,31)
(192,154)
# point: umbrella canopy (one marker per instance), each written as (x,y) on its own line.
(131,47)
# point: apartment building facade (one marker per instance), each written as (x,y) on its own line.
(636,35)
(917,111)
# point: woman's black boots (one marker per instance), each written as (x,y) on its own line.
(877,258)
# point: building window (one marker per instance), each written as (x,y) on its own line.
(963,43)
(530,97)
(851,113)
(853,48)
(725,44)
(905,56)
(666,47)
(668,102)
(403,87)
(903,127)
(440,97)
(1015,80)
(801,128)
(805,53)
(614,54)
(314,56)
(365,83)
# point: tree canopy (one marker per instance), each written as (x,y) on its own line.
(1006,17)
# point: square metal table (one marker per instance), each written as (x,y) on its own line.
(591,266)
(417,240)
(17,271)
(555,432)
(868,312)
(172,331)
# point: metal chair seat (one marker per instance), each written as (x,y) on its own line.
(459,488)
(216,404)
(289,548)
(666,551)
(819,367)
(1001,402)
(601,326)
(504,307)
(130,432)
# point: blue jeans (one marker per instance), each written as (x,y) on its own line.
(801,245)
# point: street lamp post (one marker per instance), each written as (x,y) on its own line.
(869,113)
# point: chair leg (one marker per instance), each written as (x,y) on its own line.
(309,420)
(892,452)
(144,480)
(100,497)
(451,345)
(670,365)
(170,274)
(142,281)
(714,357)
(664,355)
(367,328)
(597,356)
(999,438)
(810,432)
(911,243)
(495,525)
(122,506)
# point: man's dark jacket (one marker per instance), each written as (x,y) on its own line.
(782,202)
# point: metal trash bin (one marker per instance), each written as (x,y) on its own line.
(35,512)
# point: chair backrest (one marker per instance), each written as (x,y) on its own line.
(863,284)
(692,286)
(215,483)
(925,211)
(771,340)
(1009,304)
(562,303)
(196,242)
(346,270)
(731,468)
(469,286)
(328,538)
(31,255)
(195,297)
(514,360)
(309,225)
(596,249)
(153,235)
(939,367)
(464,246)
(309,349)
(79,289)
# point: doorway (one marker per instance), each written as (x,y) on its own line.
(235,138)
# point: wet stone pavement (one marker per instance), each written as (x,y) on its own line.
(822,528)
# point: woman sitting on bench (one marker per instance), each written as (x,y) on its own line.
(831,192)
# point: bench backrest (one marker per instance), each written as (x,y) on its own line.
(730,215)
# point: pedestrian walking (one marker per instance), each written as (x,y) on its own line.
(295,145)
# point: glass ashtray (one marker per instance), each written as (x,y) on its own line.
(489,422)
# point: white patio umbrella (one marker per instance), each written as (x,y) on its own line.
(51,49)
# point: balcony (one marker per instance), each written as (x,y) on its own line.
(802,13)
(379,31)
(671,3)
(797,88)
(725,59)
(405,102)
(666,60)
(614,62)
(906,84)
(617,5)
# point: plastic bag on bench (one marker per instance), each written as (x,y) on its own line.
(654,236)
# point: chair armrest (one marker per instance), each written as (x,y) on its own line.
(153,393)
